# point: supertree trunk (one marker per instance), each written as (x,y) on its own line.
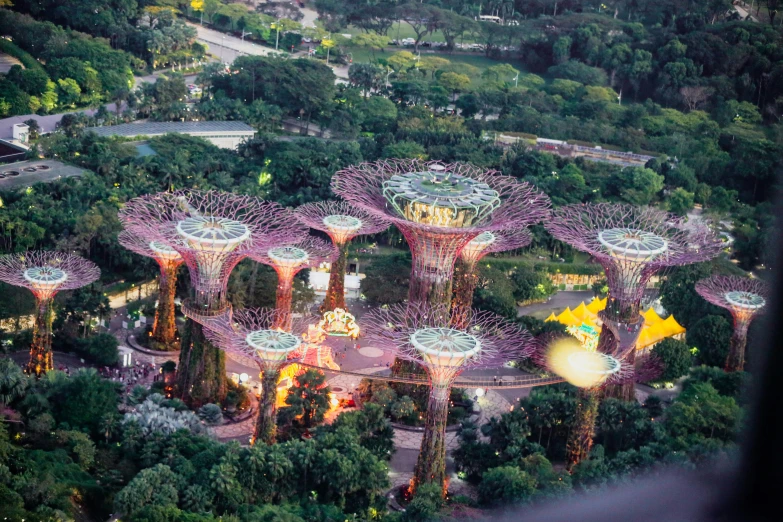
(335,294)
(431,464)
(164,330)
(622,325)
(283,301)
(41,360)
(735,361)
(580,439)
(201,375)
(266,424)
(465,281)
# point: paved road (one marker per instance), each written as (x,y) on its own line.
(227,48)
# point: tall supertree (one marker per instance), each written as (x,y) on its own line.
(744,298)
(342,222)
(288,259)
(252,333)
(164,328)
(45,273)
(439,208)
(425,336)
(592,372)
(631,244)
(465,276)
(212,231)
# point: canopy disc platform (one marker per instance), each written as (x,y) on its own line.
(164,251)
(745,300)
(45,276)
(288,256)
(594,363)
(342,224)
(445,346)
(632,244)
(212,233)
(274,345)
(479,243)
(440,199)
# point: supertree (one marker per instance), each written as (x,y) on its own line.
(164,328)
(425,336)
(288,259)
(466,278)
(744,298)
(252,334)
(631,244)
(212,231)
(342,222)
(45,273)
(592,372)
(439,208)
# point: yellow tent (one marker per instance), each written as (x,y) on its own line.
(596,305)
(644,339)
(568,318)
(551,317)
(582,312)
(589,322)
(670,327)
(651,317)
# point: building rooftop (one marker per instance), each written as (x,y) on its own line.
(26,173)
(151,128)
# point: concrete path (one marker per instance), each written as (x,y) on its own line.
(557,302)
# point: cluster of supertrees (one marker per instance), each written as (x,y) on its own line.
(451,215)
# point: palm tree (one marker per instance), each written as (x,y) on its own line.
(13,382)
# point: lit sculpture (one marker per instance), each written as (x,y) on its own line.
(339,322)
(164,328)
(439,209)
(212,231)
(466,278)
(342,222)
(45,273)
(744,298)
(252,334)
(288,259)
(419,334)
(631,244)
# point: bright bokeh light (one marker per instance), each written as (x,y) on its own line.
(580,367)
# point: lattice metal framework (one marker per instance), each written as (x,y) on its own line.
(423,335)
(466,278)
(212,231)
(631,244)
(45,273)
(290,258)
(744,298)
(252,336)
(439,208)
(342,222)
(164,330)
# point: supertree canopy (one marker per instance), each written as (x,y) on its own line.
(45,273)
(212,231)
(744,298)
(439,208)
(252,334)
(164,329)
(631,244)
(420,334)
(465,272)
(342,222)
(289,258)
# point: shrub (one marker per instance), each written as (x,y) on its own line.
(100,349)
(675,356)
(403,409)
(654,405)
(211,414)
(505,484)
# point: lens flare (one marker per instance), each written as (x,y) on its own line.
(580,367)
